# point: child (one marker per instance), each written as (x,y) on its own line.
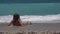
(16,20)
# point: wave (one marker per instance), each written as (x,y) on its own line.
(33,18)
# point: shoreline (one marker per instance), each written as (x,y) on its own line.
(36,28)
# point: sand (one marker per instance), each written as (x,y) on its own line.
(30,29)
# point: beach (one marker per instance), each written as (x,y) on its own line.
(35,28)
(45,18)
(47,24)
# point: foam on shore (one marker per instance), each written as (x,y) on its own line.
(33,18)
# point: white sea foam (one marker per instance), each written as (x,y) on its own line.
(33,18)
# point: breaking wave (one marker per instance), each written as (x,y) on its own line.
(33,18)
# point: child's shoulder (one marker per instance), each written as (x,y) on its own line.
(12,20)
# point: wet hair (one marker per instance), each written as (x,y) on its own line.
(16,17)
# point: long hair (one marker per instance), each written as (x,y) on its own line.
(16,17)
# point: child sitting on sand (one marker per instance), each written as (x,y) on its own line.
(16,20)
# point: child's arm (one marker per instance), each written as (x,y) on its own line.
(21,22)
(10,23)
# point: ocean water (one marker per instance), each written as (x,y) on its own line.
(45,17)
(34,12)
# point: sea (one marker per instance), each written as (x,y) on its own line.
(40,12)
(43,16)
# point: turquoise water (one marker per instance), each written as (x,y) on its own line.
(34,12)
(30,8)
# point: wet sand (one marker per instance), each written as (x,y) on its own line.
(36,27)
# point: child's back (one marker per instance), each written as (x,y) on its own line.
(16,23)
(16,20)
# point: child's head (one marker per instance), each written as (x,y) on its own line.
(16,16)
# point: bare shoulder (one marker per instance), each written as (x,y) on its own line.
(10,23)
